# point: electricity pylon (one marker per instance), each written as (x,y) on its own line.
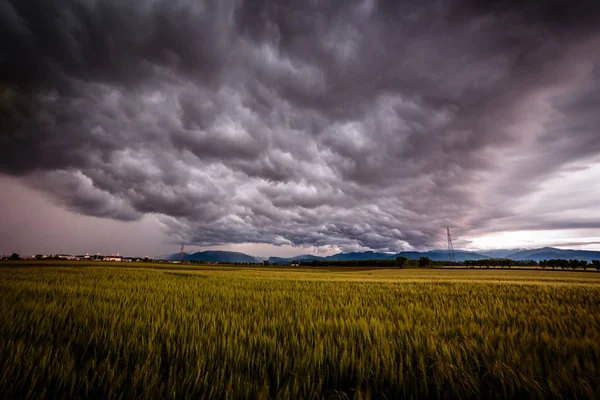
(451,255)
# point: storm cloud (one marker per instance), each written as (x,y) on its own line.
(359,124)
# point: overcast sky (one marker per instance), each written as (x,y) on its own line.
(293,126)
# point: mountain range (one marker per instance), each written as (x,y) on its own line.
(435,255)
(216,256)
(544,253)
(547,253)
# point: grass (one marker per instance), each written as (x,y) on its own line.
(215,332)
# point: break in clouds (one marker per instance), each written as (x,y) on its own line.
(359,124)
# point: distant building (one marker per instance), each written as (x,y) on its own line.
(66,257)
(113,258)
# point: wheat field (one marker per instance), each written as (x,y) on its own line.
(119,332)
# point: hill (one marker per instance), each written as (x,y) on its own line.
(441,255)
(357,256)
(547,253)
(288,260)
(217,256)
(498,253)
(544,253)
(435,255)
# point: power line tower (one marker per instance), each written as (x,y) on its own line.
(451,255)
(181,254)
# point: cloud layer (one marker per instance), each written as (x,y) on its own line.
(359,124)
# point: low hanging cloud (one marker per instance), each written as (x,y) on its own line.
(359,124)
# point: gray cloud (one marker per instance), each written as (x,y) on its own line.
(361,124)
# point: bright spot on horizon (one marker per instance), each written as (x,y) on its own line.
(582,239)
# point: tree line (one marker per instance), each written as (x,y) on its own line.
(572,264)
(426,262)
(553,263)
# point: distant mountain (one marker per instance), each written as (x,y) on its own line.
(364,255)
(499,253)
(435,255)
(469,255)
(544,253)
(526,254)
(441,255)
(547,253)
(288,260)
(217,256)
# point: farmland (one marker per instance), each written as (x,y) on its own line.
(165,331)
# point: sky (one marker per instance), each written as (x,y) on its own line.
(289,127)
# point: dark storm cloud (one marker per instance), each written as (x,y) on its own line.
(361,124)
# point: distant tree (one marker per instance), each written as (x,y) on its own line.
(14,256)
(554,263)
(401,261)
(574,264)
(266,263)
(424,262)
(596,264)
(146,259)
(531,263)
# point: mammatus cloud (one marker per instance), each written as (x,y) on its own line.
(359,124)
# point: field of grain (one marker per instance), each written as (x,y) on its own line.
(139,331)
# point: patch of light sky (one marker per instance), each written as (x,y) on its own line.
(567,199)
